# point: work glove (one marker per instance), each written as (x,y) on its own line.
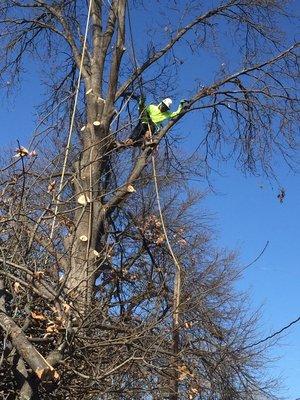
(184,102)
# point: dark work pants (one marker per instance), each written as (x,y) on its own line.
(140,130)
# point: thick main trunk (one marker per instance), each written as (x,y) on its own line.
(86,238)
(94,160)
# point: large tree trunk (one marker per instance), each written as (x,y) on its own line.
(91,168)
(87,184)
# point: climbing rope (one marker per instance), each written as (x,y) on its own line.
(177,283)
(177,265)
(68,146)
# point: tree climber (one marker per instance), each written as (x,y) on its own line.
(152,117)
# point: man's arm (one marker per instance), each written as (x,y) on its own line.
(179,109)
(142,105)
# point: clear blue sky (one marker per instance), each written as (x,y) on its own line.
(247,215)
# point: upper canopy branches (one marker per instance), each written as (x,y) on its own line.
(253,85)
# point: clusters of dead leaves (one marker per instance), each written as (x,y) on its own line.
(178,236)
(119,275)
(51,187)
(152,230)
(17,287)
(55,323)
(185,373)
(23,152)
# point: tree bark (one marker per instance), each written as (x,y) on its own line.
(42,369)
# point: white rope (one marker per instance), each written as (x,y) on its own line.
(177,265)
(161,214)
(177,283)
(67,150)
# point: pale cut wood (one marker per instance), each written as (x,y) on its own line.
(43,370)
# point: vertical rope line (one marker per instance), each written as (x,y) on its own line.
(67,150)
(177,283)
(177,265)
(152,156)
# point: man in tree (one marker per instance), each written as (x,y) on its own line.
(152,117)
(152,330)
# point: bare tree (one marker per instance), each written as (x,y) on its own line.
(98,298)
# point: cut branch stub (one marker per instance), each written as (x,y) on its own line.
(27,351)
(130,189)
(83,199)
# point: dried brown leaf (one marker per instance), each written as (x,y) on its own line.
(51,187)
(39,275)
(38,316)
(21,152)
(17,287)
